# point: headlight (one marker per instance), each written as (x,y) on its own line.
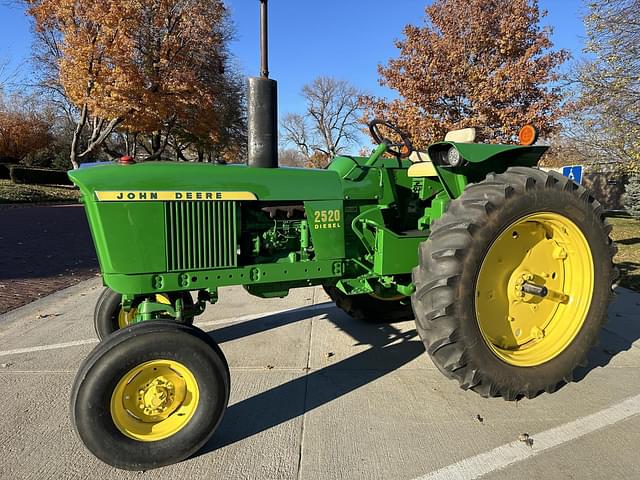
(453,157)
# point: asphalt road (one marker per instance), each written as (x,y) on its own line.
(44,248)
(317,395)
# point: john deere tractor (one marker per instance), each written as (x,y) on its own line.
(506,268)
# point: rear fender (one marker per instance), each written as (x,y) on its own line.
(478,161)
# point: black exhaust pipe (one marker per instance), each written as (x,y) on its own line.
(262,98)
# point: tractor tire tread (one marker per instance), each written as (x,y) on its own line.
(441,264)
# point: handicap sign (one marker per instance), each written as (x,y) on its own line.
(573,172)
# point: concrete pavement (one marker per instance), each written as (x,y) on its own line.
(317,395)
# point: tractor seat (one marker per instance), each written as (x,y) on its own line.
(465,135)
(422,164)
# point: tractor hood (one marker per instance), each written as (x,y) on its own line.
(159,180)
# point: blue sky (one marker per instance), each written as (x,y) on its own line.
(345,39)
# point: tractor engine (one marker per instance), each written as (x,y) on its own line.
(274,232)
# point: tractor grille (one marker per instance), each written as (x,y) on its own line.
(201,235)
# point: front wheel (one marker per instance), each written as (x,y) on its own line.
(150,395)
(109,315)
(513,283)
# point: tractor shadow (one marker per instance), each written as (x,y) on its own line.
(269,322)
(389,349)
(619,334)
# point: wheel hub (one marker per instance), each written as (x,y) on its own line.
(154,400)
(534,288)
(157,397)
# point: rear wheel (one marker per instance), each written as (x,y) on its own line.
(372,308)
(150,395)
(513,283)
(109,315)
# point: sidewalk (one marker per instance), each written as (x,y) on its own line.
(317,395)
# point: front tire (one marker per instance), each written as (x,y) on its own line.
(513,283)
(109,316)
(150,395)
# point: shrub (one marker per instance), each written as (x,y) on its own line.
(39,176)
(5,174)
(631,197)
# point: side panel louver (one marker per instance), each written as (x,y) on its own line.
(201,235)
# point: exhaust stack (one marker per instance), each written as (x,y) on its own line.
(262,98)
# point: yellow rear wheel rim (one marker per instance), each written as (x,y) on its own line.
(546,250)
(154,400)
(126,318)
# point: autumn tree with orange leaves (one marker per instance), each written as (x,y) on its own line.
(23,130)
(157,70)
(474,63)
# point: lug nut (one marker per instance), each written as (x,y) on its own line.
(559,253)
(537,333)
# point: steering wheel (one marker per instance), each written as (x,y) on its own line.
(400,149)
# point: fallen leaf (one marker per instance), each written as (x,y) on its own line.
(47,315)
(525,438)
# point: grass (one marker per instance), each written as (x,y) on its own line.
(626,234)
(18,193)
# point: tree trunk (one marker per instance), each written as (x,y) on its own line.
(73,155)
(156,144)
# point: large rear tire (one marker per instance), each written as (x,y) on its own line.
(150,395)
(513,283)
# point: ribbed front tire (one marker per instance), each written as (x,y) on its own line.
(109,317)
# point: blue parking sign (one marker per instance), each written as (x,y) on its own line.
(573,172)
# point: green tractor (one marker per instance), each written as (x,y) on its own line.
(506,269)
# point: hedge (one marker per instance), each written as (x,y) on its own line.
(5,172)
(38,176)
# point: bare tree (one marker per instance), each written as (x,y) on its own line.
(331,120)
(4,77)
(296,133)
(605,124)
(291,158)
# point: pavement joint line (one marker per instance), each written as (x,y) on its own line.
(221,322)
(36,372)
(42,348)
(501,457)
(306,395)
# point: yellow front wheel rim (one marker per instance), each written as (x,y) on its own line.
(546,252)
(154,400)
(126,318)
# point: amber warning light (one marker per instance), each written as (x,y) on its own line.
(528,135)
